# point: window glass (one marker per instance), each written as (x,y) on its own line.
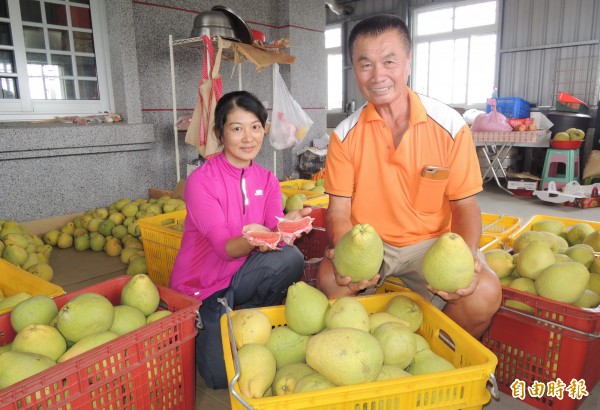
(9,89)
(440,76)
(58,40)
(80,17)
(64,64)
(81,1)
(436,21)
(7,64)
(88,90)
(421,62)
(83,42)
(5,38)
(86,66)
(34,37)
(481,68)
(3,9)
(56,14)
(31,11)
(475,15)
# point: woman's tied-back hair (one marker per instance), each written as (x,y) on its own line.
(376,25)
(237,99)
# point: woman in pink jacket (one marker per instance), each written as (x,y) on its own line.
(226,196)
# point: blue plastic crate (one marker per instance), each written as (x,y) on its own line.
(511,107)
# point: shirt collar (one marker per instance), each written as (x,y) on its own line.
(417,111)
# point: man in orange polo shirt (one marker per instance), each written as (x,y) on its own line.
(405,164)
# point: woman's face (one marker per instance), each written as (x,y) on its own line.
(242,137)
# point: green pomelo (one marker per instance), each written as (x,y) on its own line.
(578,232)
(347,311)
(36,309)
(119,204)
(563,282)
(68,228)
(130,209)
(594,282)
(391,372)
(159,314)
(524,285)
(398,344)
(284,199)
(117,218)
(119,231)
(588,299)
(556,243)
(86,344)
(6,348)
(524,239)
(549,225)
(288,376)
(427,361)
(593,239)
(320,182)
(378,318)
(100,213)
(532,260)
(86,314)
(318,188)
(13,300)
(137,266)
(40,339)
(595,268)
(51,237)
(250,326)
(32,259)
(500,261)
(311,382)
(294,203)
(65,240)
(17,366)
(359,253)
(105,227)
(305,309)
(287,346)
(82,242)
(422,343)
(507,280)
(127,319)
(36,240)
(582,253)
(142,293)
(16,239)
(97,242)
(42,270)
(515,304)
(407,309)
(561,257)
(345,356)
(14,254)
(448,264)
(257,370)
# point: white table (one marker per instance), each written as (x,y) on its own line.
(496,147)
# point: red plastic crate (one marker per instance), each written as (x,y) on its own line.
(150,368)
(534,351)
(313,244)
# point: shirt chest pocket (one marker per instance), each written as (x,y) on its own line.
(428,194)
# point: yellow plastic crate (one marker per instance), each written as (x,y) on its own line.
(14,280)
(161,244)
(489,242)
(500,225)
(568,222)
(463,387)
(294,186)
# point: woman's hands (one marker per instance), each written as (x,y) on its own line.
(260,246)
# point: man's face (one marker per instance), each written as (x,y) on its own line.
(381,67)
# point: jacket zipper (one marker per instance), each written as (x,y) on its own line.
(244,194)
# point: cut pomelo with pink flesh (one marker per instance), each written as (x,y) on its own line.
(291,229)
(258,238)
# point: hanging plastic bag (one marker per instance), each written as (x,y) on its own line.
(493,121)
(289,122)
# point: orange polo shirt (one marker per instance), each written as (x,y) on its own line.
(386,185)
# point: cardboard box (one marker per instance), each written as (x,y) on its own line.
(522,181)
(177,192)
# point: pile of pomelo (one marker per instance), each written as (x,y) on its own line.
(553,261)
(114,229)
(46,335)
(330,343)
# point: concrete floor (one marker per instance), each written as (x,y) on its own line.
(74,270)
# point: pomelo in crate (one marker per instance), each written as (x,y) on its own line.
(448,264)
(359,253)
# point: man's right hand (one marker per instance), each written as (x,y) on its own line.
(354,287)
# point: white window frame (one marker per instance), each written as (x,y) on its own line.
(454,35)
(25,108)
(334,51)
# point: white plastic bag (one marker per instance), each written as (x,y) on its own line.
(289,122)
